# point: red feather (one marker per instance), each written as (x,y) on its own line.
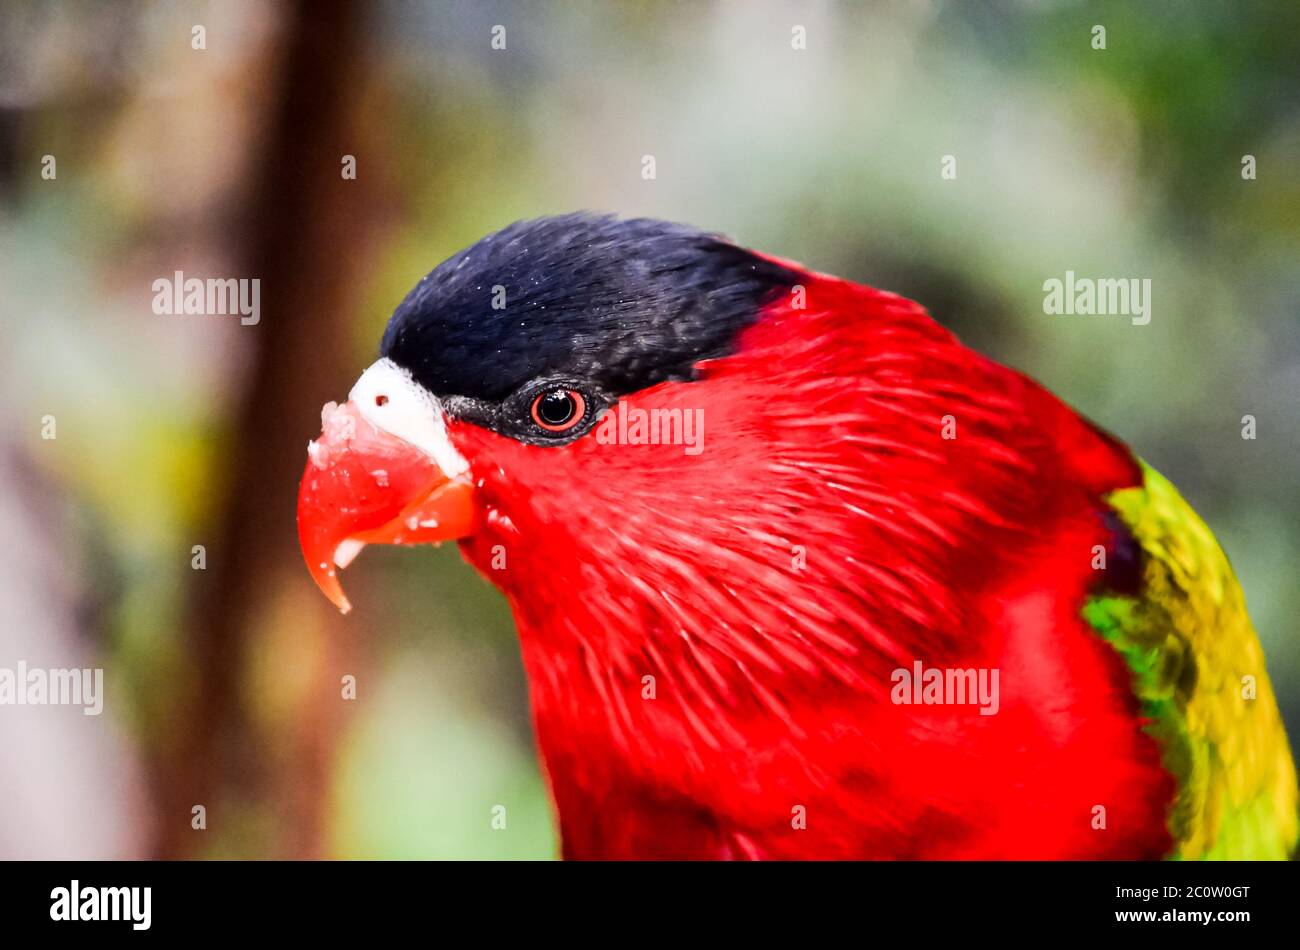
(771,682)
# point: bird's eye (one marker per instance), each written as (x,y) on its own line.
(558,410)
(381,400)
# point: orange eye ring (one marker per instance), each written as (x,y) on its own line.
(558,410)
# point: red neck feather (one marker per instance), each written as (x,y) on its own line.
(709,638)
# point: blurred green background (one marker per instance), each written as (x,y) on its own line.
(224,684)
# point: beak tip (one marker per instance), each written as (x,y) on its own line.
(334,593)
(327,582)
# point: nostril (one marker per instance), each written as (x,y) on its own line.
(381,400)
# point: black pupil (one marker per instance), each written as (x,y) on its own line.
(556,408)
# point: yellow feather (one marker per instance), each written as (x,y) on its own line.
(1221,730)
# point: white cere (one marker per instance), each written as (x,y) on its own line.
(390,399)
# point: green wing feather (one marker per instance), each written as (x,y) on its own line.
(1199,671)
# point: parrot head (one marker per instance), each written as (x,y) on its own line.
(537,396)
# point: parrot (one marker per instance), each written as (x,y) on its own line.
(795,574)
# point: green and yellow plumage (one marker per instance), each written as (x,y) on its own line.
(1199,672)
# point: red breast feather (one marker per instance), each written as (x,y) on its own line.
(771,732)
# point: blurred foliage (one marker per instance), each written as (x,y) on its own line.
(1122,162)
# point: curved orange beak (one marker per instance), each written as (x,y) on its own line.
(363,486)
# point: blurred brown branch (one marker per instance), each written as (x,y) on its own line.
(301,235)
